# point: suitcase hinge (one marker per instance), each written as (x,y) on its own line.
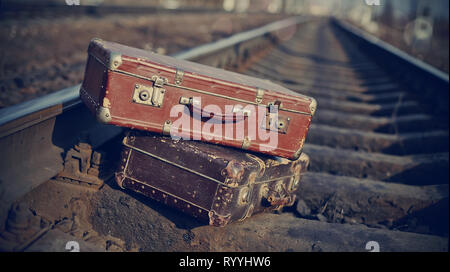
(259,95)
(179,74)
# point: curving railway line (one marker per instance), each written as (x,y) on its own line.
(378,148)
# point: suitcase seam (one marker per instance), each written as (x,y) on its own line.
(211,93)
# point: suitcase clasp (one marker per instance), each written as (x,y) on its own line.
(150,95)
(273,121)
(179,74)
(259,95)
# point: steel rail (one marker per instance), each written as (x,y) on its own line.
(425,80)
(394,51)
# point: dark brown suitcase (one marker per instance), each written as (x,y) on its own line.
(215,184)
(133,88)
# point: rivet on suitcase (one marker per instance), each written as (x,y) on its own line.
(213,183)
(138,89)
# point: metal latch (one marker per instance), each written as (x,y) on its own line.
(273,121)
(150,95)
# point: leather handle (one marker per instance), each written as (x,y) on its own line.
(237,115)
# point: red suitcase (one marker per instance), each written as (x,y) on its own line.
(138,89)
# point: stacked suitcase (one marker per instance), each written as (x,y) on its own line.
(230,144)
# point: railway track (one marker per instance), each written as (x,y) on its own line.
(378,147)
(369,130)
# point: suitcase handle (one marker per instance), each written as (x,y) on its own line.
(238,114)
